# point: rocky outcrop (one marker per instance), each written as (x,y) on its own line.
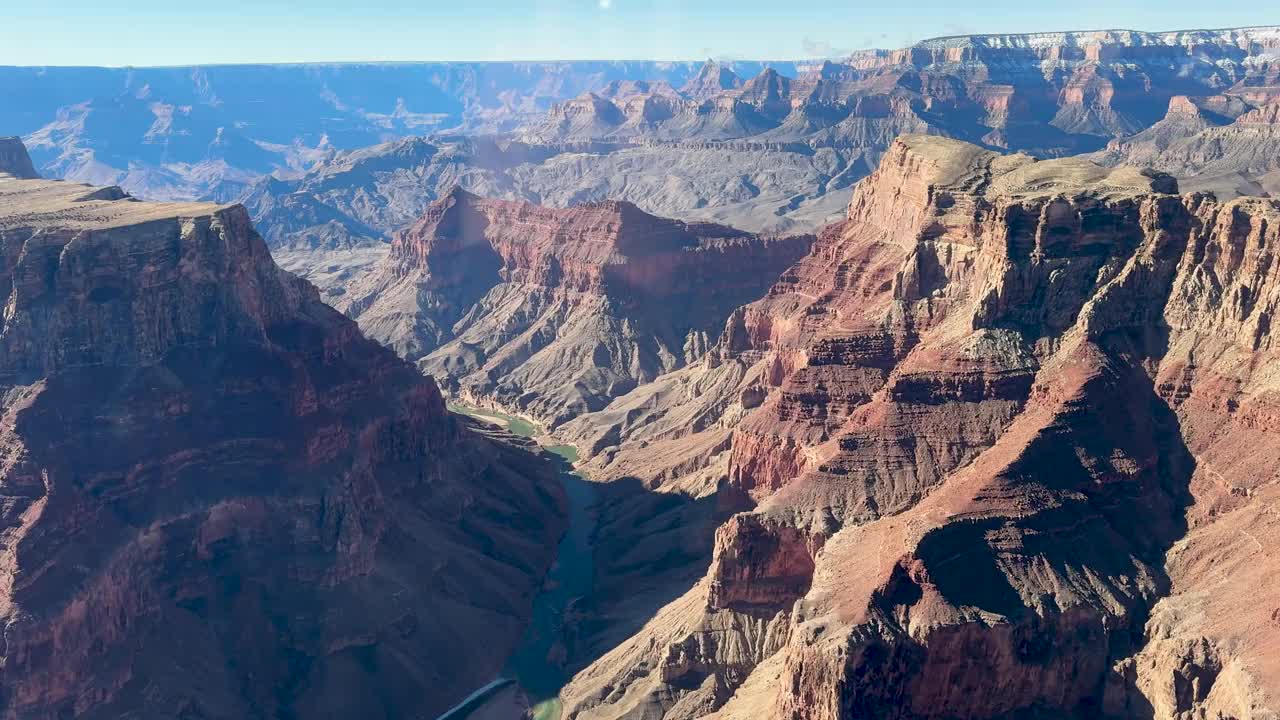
(219,499)
(14,160)
(994,426)
(555,312)
(713,79)
(1049,94)
(1223,144)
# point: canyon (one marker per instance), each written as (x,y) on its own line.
(219,499)
(962,459)
(935,382)
(207,132)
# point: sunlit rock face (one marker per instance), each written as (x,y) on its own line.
(1003,428)
(556,311)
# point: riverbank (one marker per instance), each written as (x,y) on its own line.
(539,663)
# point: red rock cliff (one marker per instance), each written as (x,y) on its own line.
(219,499)
(554,311)
(995,423)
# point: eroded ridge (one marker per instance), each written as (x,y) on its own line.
(553,312)
(1004,431)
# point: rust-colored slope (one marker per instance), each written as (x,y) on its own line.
(995,424)
(553,312)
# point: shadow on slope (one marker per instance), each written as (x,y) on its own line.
(650,548)
(1074,558)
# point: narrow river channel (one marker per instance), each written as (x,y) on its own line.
(538,664)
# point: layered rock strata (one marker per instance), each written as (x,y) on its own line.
(554,312)
(219,500)
(1047,93)
(995,426)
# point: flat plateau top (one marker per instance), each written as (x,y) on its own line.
(54,204)
(960,165)
(1117,36)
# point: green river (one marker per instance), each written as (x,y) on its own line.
(537,663)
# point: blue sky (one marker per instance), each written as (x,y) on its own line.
(168,32)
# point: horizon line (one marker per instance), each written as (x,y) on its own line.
(547,61)
(303,63)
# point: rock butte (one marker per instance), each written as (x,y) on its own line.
(1010,433)
(554,312)
(218,499)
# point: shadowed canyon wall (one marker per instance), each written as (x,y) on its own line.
(219,499)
